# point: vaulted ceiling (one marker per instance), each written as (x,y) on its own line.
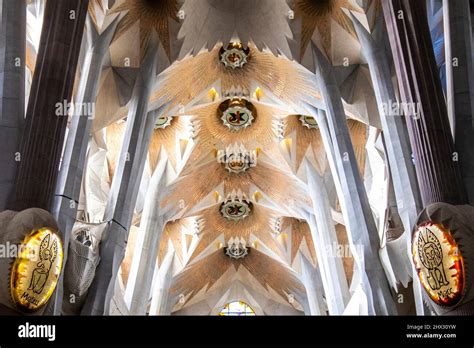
(193,137)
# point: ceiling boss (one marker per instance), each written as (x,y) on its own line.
(236,209)
(237,113)
(237,159)
(236,248)
(234,56)
(309,122)
(163,122)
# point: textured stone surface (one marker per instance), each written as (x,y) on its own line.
(12,91)
(53,82)
(363,234)
(159,302)
(395,133)
(439,176)
(146,249)
(314,288)
(124,189)
(324,237)
(68,185)
(460,85)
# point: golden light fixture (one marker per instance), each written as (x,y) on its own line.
(35,272)
(217,196)
(439,263)
(257,196)
(213,95)
(258,94)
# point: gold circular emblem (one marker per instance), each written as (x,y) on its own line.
(309,122)
(36,270)
(439,263)
(163,122)
(234,56)
(237,113)
(236,210)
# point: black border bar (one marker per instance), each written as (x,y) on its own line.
(261,330)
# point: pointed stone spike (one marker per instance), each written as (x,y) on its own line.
(125,80)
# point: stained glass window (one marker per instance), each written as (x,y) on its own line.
(237,308)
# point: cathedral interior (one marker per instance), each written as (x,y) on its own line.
(236,157)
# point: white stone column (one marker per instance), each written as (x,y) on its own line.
(159,300)
(125,186)
(363,234)
(68,185)
(314,287)
(146,249)
(336,287)
(395,133)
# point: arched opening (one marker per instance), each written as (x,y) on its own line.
(237,308)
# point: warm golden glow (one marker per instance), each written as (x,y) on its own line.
(283,237)
(237,308)
(285,144)
(36,270)
(257,196)
(285,79)
(213,95)
(258,94)
(237,45)
(439,263)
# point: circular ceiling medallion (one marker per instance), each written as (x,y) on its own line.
(234,56)
(35,272)
(163,122)
(236,248)
(237,113)
(237,162)
(309,122)
(439,263)
(236,210)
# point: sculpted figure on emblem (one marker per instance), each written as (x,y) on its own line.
(431,256)
(40,274)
